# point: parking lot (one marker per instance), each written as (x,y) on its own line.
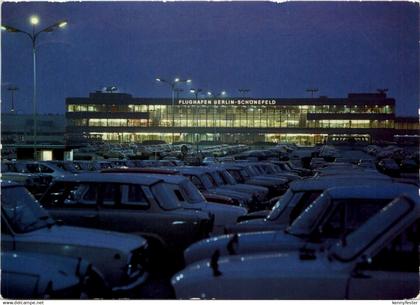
(223,222)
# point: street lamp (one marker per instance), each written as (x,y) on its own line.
(196,92)
(34,21)
(173,84)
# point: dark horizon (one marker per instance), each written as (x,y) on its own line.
(273,49)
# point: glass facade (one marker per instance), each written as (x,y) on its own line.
(231,117)
(122,118)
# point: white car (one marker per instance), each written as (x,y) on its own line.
(28,275)
(380,260)
(336,213)
(298,197)
(28,227)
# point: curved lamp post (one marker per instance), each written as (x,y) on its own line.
(34,21)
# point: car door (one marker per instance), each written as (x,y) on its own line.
(126,208)
(73,203)
(393,273)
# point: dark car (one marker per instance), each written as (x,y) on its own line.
(129,203)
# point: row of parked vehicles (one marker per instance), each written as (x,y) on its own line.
(237,229)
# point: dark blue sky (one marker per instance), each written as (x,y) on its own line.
(276,50)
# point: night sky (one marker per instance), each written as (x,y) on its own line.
(276,50)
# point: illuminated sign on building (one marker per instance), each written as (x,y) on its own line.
(226,102)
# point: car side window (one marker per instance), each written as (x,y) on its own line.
(33,168)
(350,214)
(134,197)
(45,169)
(197,182)
(111,193)
(399,255)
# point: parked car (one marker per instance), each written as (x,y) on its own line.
(389,167)
(129,203)
(243,174)
(409,166)
(380,260)
(206,184)
(26,226)
(29,275)
(35,183)
(42,167)
(189,197)
(297,198)
(335,214)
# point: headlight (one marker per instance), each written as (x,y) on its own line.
(137,262)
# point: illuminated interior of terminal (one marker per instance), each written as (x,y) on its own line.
(122,118)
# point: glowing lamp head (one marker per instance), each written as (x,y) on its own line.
(34,20)
(189,81)
(62,24)
(223,93)
(192,90)
(176,80)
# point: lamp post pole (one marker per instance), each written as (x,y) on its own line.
(196,92)
(12,90)
(173,88)
(312,90)
(34,20)
(209,93)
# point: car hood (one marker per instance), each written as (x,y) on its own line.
(253,225)
(285,271)
(67,235)
(243,243)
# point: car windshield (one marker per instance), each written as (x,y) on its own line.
(227,177)
(22,211)
(191,193)
(236,174)
(218,179)
(245,173)
(281,205)
(208,182)
(268,169)
(307,221)
(70,167)
(166,199)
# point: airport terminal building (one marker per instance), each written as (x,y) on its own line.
(120,117)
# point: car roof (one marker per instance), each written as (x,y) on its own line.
(383,190)
(324,182)
(116,178)
(192,170)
